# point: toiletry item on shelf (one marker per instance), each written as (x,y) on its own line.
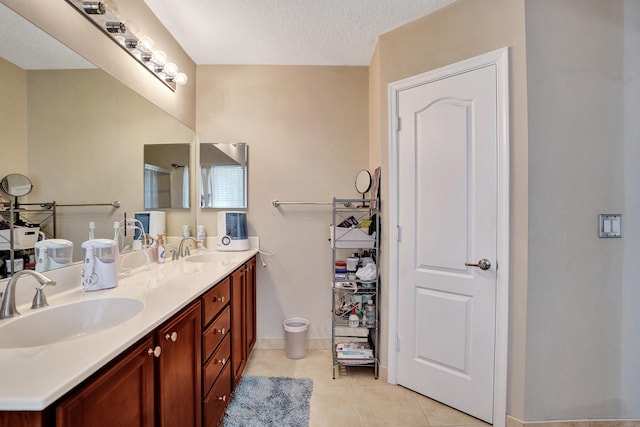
(186,231)
(354,350)
(370,314)
(352,264)
(354,320)
(368,273)
(349,222)
(160,248)
(201,236)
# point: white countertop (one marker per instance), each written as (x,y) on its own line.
(35,377)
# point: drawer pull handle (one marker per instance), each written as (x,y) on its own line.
(221,361)
(218,299)
(173,336)
(223,398)
(220,331)
(155,351)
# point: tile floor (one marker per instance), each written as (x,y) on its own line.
(355,398)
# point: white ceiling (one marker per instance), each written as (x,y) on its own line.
(287,32)
(30,48)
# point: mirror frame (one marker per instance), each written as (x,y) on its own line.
(6,188)
(363,179)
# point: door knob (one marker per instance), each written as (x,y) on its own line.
(484,264)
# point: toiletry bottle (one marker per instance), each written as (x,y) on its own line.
(354,320)
(160,248)
(370,314)
(201,236)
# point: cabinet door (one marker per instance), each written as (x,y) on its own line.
(179,368)
(250,306)
(217,399)
(237,324)
(121,395)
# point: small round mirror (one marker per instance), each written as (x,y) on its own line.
(16,184)
(363,181)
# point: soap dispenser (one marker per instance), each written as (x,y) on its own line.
(160,248)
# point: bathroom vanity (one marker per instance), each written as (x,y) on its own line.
(176,362)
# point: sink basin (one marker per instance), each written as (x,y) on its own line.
(210,257)
(65,322)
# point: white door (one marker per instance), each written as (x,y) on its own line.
(447,216)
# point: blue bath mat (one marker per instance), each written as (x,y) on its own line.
(270,401)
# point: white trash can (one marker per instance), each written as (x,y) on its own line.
(295,337)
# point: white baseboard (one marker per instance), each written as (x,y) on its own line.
(279,344)
(514,422)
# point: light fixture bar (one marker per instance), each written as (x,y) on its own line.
(140,48)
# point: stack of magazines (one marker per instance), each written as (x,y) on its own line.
(354,350)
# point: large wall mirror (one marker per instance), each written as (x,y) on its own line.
(78,134)
(223,175)
(166,176)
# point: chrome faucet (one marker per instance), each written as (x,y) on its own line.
(8,308)
(182,252)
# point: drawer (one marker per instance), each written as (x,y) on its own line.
(215,299)
(214,334)
(218,361)
(217,399)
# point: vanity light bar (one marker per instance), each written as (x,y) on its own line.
(140,48)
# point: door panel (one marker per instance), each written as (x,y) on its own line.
(447,212)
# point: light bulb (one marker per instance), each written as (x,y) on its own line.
(145,44)
(159,57)
(171,69)
(181,79)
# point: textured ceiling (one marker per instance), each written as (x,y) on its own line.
(288,32)
(30,48)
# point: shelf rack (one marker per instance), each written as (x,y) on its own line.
(344,241)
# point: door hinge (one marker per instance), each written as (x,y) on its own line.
(397,233)
(398,124)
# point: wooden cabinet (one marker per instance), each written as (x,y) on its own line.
(178,369)
(157,383)
(120,395)
(216,352)
(243,316)
(250,306)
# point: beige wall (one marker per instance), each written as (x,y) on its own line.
(462,30)
(306,128)
(630,297)
(13,126)
(64,23)
(85,145)
(580,167)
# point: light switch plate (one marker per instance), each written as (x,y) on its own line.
(610,225)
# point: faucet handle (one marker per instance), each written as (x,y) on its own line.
(174,254)
(40,299)
(187,252)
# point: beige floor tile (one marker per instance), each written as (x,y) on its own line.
(443,415)
(354,398)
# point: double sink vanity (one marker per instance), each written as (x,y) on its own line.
(165,347)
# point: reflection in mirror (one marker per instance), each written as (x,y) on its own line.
(84,133)
(166,176)
(223,175)
(16,184)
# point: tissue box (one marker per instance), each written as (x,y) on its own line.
(23,238)
(354,238)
